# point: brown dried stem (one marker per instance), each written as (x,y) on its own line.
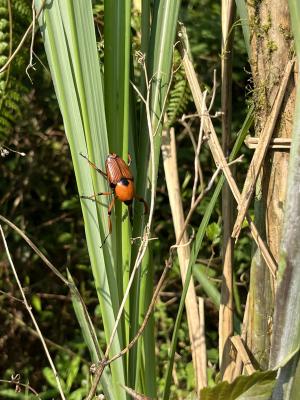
(226,304)
(217,152)
(171,173)
(261,151)
(241,350)
(15,381)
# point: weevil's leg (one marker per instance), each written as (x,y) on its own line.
(129,159)
(110,207)
(93,196)
(94,166)
(146,207)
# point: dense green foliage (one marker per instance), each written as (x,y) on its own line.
(14,19)
(38,193)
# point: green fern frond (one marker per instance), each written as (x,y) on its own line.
(180,93)
(11,105)
(15,96)
(12,90)
(4,123)
(22,10)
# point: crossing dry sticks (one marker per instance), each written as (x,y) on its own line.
(260,152)
(217,152)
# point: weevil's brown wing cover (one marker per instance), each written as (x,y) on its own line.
(116,169)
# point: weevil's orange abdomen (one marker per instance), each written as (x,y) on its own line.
(124,190)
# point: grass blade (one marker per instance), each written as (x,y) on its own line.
(70,43)
(159,60)
(89,336)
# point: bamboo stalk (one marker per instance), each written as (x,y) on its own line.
(226,306)
(202,334)
(238,361)
(240,348)
(173,185)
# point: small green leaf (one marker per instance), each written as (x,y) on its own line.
(11,394)
(70,204)
(36,303)
(213,355)
(258,386)
(73,371)
(213,232)
(65,237)
(50,378)
(78,394)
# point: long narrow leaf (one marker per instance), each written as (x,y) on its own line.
(158,60)
(241,6)
(68,33)
(89,336)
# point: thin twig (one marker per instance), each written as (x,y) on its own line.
(6,65)
(15,380)
(190,133)
(168,265)
(14,151)
(28,307)
(50,343)
(10,296)
(179,246)
(38,252)
(214,91)
(217,114)
(31,65)
(70,285)
(198,149)
(135,395)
